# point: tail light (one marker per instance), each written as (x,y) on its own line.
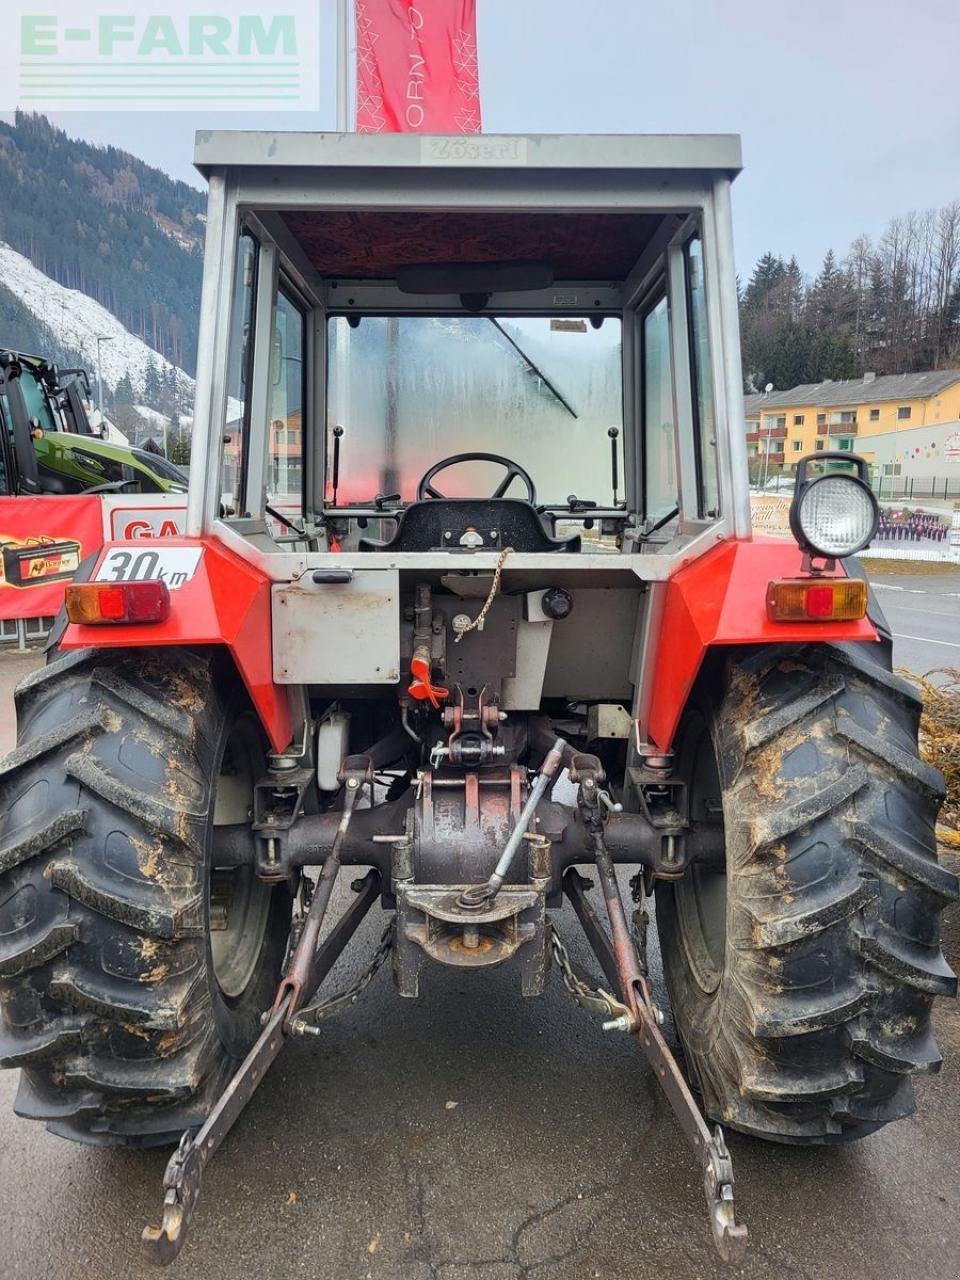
(817,600)
(117,603)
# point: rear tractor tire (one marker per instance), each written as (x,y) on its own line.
(132,973)
(802,978)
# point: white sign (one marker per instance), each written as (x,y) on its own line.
(175,55)
(172,565)
(132,524)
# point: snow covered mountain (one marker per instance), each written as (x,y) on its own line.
(99,220)
(76,321)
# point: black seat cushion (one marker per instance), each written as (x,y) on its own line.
(441,524)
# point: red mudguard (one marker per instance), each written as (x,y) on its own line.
(719,599)
(222,600)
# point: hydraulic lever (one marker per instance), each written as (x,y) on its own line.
(308,967)
(613,433)
(642,1018)
(480,894)
(337,438)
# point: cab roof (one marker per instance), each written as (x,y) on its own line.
(672,153)
(360,207)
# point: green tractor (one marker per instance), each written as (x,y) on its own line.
(48,445)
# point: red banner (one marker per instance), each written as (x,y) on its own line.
(417,66)
(43,541)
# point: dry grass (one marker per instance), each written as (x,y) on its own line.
(940,740)
(877,566)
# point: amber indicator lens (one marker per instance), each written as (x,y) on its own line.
(817,600)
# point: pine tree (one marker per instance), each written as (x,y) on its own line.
(124,393)
(831,303)
(169,390)
(152,387)
(180,449)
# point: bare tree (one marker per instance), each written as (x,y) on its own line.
(893,306)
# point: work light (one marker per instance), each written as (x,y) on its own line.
(833,515)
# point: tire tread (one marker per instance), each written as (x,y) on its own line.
(833,942)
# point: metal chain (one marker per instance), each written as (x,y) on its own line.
(320,1010)
(480,619)
(593,999)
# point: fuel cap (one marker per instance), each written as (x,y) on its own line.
(557,603)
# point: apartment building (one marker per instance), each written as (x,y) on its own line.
(898,419)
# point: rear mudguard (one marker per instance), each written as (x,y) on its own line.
(217,597)
(721,599)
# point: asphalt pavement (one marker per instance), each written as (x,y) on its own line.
(924,613)
(473,1135)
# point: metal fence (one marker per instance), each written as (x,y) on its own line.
(927,538)
(909,488)
(778,478)
(19,632)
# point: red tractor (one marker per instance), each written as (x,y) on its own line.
(475,606)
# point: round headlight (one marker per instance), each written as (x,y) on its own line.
(836,515)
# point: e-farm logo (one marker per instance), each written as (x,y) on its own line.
(178,55)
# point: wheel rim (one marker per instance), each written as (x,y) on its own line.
(701,896)
(239,907)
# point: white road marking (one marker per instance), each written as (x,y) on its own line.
(932,613)
(948,644)
(915,591)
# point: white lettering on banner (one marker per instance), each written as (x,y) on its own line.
(172,565)
(415,114)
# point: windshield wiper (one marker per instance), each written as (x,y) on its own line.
(532,366)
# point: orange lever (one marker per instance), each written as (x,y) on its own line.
(422,689)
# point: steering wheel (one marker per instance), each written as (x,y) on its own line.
(426,489)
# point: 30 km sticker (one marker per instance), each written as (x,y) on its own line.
(172,565)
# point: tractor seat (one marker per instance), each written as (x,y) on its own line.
(456,524)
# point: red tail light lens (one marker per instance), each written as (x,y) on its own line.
(117,603)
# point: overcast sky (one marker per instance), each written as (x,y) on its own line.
(849,109)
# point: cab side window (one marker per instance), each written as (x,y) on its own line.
(236,433)
(705,422)
(285,425)
(661,482)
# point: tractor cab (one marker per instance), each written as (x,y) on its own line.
(58,397)
(421,366)
(48,445)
